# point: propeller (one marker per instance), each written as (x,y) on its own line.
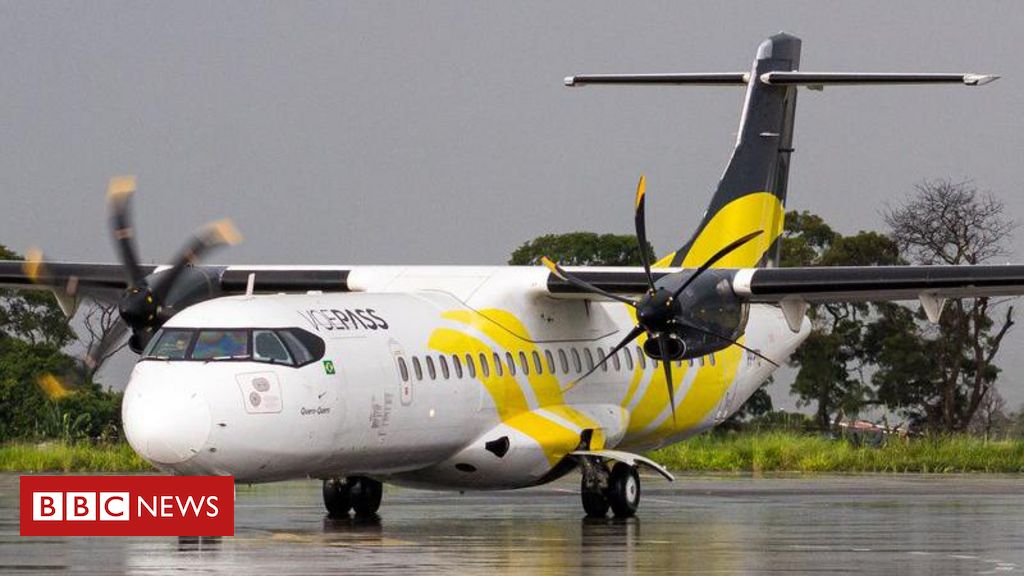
(659,312)
(146,303)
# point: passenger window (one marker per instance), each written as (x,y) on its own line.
(536,363)
(267,347)
(221,345)
(550,360)
(443,361)
(629,358)
(457,364)
(304,346)
(470,366)
(417,368)
(615,362)
(641,358)
(524,364)
(497,365)
(590,359)
(484,367)
(170,344)
(576,361)
(600,355)
(430,367)
(403,369)
(511,364)
(563,361)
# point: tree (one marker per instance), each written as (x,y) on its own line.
(582,249)
(941,375)
(33,334)
(831,360)
(32,315)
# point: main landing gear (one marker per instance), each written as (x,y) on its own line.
(357,493)
(601,489)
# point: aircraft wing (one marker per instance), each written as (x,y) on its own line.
(106,282)
(820,284)
(794,289)
(877,283)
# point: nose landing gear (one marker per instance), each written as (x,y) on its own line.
(357,493)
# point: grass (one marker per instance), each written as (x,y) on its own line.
(792,452)
(731,452)
(76,457)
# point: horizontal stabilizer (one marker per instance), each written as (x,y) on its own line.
(822,79)
(707,79)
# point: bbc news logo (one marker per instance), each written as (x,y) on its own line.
(127,506)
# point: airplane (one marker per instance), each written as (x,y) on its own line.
(485,377)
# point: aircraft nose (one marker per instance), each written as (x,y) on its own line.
(166,421)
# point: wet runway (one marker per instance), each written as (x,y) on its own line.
(840,524)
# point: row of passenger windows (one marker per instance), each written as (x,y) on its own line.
(571,362)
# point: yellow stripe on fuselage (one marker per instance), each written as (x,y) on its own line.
(512,403)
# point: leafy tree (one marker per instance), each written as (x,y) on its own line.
(831,360)
(942,375)
(33,332)
(32,315)
(582,249)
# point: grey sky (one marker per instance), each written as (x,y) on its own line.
(440,132)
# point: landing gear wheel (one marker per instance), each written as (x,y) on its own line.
(624,490)
(593,488)
(366,494)
(337,497)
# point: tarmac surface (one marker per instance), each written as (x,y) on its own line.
(865,524)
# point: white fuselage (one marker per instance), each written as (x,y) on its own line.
(435,422)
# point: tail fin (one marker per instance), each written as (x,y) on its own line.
(751,194)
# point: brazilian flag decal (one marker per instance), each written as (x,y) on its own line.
(329,367)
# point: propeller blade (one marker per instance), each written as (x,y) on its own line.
(668,376)
(640,221)
(581,284)
(715,258)
(119,195)
(211,236)
(57,386)
(633,335)
(35,268)
(713,334)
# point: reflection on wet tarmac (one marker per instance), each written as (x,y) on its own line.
(861,524)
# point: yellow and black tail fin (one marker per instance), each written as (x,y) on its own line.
(752,192)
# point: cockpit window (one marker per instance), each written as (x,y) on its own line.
(170,344)
(285,346)
(267,347)
(221,345)
(304,346)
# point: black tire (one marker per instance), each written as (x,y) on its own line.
(337,497)
(624,490)
(366,495)
(595,504)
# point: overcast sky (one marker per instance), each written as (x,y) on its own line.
(440,132)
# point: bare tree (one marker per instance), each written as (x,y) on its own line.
(101,323)
(951,222)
